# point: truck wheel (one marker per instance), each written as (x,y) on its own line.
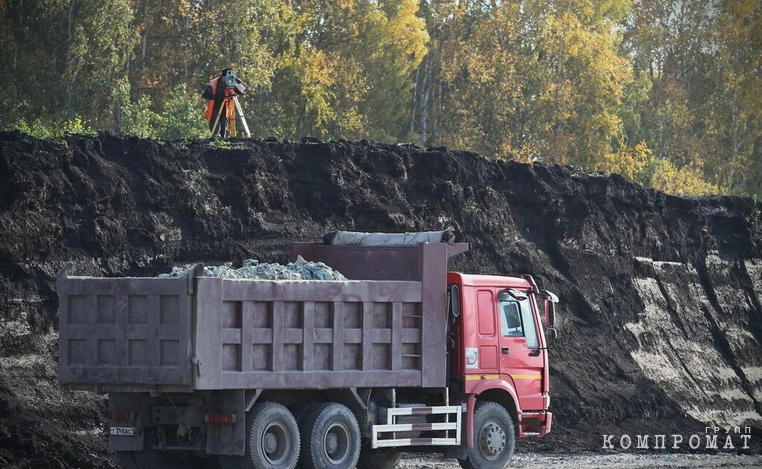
(272,440)
(330,438)
(494,438)
(381,458)
(298,411)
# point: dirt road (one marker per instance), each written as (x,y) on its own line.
(594,461)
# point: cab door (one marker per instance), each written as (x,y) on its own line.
(520,354)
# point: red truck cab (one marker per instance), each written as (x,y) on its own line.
(500,350)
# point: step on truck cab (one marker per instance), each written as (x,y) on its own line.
(265,374)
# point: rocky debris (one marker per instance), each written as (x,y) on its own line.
(252,269)
(596,461)
(660,321)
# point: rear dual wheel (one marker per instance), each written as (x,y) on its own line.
(272,440)
(330,438)
(326,437)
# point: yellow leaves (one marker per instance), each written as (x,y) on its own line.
(401,37)
(683,181)
(314,71)
(349,67)
(408,30)
(348,5)
(317,70)
(742,7)
(543,81)
(184,8)
(639,164)
(630,162)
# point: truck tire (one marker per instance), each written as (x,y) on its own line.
(272,438)
(330,438)
(494,438)
(381,458)
(299,411)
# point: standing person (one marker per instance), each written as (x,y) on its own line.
(215,93)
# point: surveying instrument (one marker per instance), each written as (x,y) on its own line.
(230,105)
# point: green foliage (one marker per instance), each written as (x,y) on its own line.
(220,143)
(182,116)
(137,118)
(50,129)
(76,126)
(36,128)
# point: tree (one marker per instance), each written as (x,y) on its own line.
(704,108)
(98,38)
(61,59)
(182,115)
(534,80)
(343,70)
(137,118)
(732,114)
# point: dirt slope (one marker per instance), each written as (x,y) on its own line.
(661,319)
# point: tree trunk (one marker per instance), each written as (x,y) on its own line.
(117,111)
(72,9)
(415,100)
(73,79)
(145,35)
(16,48)
(424,101)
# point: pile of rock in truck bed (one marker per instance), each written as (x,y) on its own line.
(252,269)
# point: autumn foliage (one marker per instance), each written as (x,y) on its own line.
(666,92)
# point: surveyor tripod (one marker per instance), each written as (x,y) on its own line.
(230,105)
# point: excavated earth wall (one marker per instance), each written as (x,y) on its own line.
(660,322)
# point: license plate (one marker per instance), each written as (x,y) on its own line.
(124,431)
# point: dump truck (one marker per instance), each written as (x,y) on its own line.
(267,374)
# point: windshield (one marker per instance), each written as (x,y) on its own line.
(516,320)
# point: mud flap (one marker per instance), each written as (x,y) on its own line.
(130,403)
(228,439)
(127,443)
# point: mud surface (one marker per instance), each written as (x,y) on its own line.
(660,323)
(610,461)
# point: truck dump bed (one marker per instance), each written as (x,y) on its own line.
(382,328)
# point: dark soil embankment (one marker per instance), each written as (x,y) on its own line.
(660,321)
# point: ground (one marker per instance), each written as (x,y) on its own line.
(595,461)
(660,318)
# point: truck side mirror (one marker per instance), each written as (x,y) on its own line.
(550,313)
(550,307)
(550,335)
